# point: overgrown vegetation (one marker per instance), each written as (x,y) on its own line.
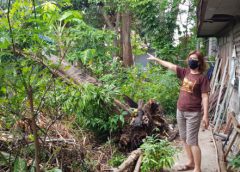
(34,101)
(234,163)
(153,83)
(158,154)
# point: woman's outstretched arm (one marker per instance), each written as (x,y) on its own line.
(166,64)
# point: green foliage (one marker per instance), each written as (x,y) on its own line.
(64,33)
(5,158)
(157,23)
(54,170)
(158,154)
(234,163)
(54,28)
(20,165)
(93,106)
(116,160)
(152,83)
(137,45)
(14,93)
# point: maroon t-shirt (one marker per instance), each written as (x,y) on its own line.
(193,85)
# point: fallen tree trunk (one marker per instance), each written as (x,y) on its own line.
(149,116)
(66,70)
(69,72)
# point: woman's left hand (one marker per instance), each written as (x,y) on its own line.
(205,121)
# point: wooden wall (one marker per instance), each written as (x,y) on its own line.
(226,44)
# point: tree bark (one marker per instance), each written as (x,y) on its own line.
(68,71)
(126,39)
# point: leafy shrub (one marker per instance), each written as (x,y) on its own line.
(152,83)
(234,163)
(116,160)
(158,154)
(92,105)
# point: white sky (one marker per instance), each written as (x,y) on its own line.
(181,20)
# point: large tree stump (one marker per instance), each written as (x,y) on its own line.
(147,119)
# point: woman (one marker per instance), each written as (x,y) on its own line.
(192,99)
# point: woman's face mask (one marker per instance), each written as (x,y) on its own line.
(192,63)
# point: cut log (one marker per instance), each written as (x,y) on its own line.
(138,165)
(133,157)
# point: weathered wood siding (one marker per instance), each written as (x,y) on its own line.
(226,44)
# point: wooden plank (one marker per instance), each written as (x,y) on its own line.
(216,78)
(228,124)
(225,103)
(216,115)
(236,126)
(230,144)
(219,154)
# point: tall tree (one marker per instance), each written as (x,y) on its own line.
(126,39)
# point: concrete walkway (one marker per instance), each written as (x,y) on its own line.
(209,157)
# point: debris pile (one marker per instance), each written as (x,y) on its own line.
(143,120)
(58,146)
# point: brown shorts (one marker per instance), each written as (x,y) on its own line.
(189,124)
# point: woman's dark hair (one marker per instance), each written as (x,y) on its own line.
(202,63)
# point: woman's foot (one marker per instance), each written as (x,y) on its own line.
(197,170)
(185,167)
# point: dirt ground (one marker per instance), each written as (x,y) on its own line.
(209,157)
